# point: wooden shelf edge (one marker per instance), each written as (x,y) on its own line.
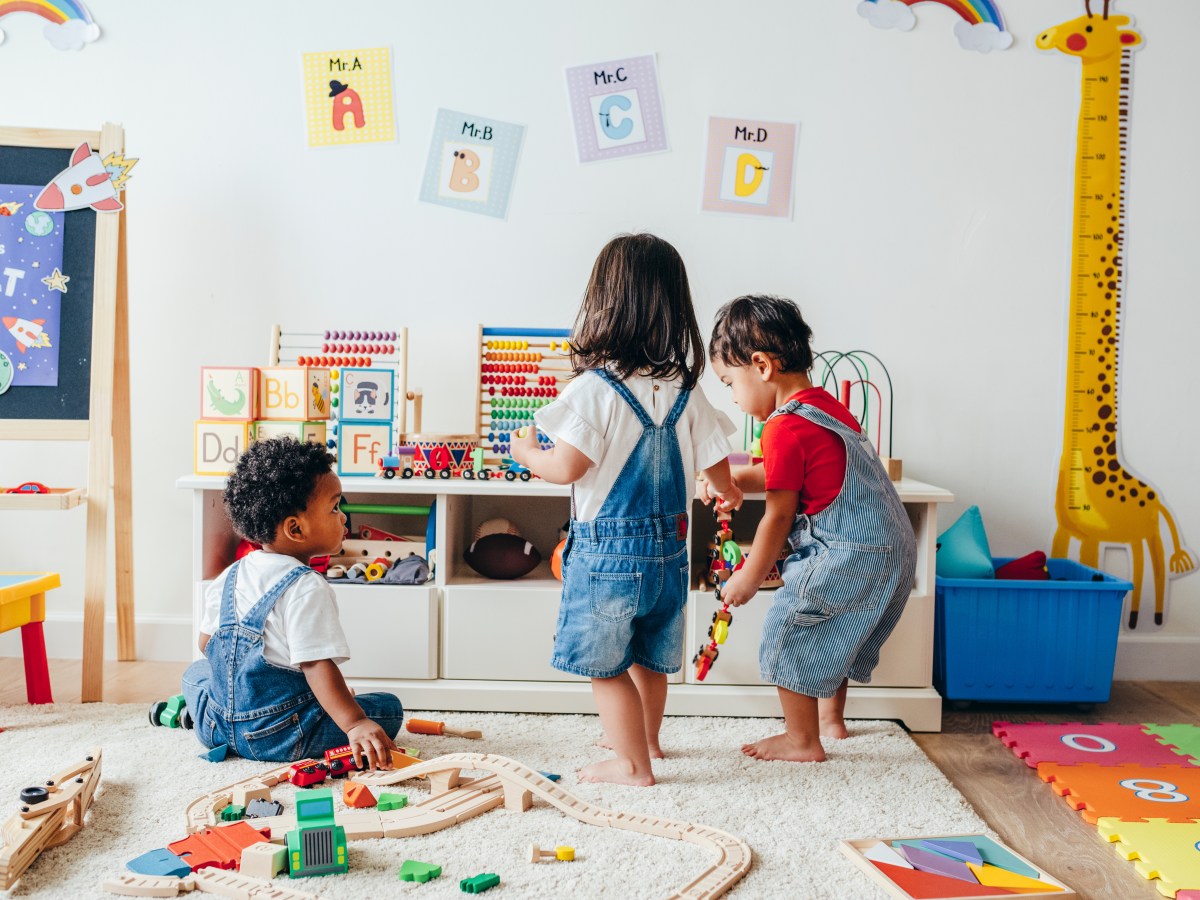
(58,498)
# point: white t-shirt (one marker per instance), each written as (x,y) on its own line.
(303,626)
(591,417)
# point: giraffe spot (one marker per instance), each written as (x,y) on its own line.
(1112,285)
(1150,495)
(1109,494)
(1113,465)
(1106,388)
(1110,231)
(1100,377)
(1109,366)
(1112,478)
(1110,206)
(1110,426)
(1099,450)
(1104,259)
(1108,271)
(1100,358)
(1141,484)
(1099,284)
(1112,449)
(1141,503)
(1110,246)
(1122,498)
(1098,477)
(1106,330)
(1133,492)
(1127,477)
(1104,412)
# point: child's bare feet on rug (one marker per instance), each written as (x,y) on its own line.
(615,771)
(656,751)
(836,730)
(786,747)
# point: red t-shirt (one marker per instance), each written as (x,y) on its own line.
(799,455)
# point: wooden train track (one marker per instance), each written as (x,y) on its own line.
(54,821)
(507,783)
(207,880)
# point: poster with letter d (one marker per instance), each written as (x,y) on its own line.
(749,167)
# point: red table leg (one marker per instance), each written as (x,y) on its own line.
(37,671)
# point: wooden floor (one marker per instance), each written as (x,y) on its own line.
(1023,810)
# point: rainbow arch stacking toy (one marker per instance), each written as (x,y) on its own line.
(1138,784)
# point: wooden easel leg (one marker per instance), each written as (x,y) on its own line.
(122,465)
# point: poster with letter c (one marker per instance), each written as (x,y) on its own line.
(749,167)
(616,108)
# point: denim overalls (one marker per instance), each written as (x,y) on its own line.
(625,573)
(261,710)
(847,580)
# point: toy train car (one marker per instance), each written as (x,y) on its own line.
(308,773)
(400,463)
(340,762)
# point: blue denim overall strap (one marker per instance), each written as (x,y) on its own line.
(241,674)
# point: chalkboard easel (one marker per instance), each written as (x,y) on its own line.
(91,400)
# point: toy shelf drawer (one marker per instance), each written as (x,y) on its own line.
(392,630)
(906,659)
(500,631)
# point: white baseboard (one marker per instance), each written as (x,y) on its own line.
(1157,658)
(161,638)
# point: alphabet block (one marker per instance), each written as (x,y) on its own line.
(219,444)
(293,392)
(228,392)
(264,860)
(361,445)
(313,432)
(368,395)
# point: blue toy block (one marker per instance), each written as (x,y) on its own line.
(216,754)
(159,862)
(550,775)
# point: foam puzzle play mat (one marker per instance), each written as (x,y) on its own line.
(958,865)
(1138,784)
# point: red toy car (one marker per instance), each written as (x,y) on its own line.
(29,487)
(340,762)
(307,773)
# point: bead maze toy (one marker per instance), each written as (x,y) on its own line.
(1137,784)
(950,866)
(850,373)
(725,555)
(49,815)
(519,370)
(454,799)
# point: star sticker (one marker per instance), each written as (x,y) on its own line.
(21,367)
(56,281)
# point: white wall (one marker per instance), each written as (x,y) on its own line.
(932,225)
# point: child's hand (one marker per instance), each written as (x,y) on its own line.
(730,499)
(738,590)
(524,442)
(371,745)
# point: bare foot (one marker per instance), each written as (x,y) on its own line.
(784,746)
(835,730)
(615,771)
(654,748)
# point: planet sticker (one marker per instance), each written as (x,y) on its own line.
(39,224)
(6,372)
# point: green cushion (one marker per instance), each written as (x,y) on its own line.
(962,550)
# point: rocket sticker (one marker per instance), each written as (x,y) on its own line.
(87,182)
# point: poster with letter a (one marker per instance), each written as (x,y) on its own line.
(348,97)
(616,108)
(472,162)
(749,167)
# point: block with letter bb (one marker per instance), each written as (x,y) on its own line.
(299,393)
(228,392)
(360,447)
(219,444)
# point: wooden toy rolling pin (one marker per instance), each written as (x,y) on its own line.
(424,726)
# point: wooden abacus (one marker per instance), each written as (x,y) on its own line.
(519,370)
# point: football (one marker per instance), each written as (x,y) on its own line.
(502,556)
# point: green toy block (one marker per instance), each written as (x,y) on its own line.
(233,813)
(392,801)
(480,883)
(412,870)
(171,715)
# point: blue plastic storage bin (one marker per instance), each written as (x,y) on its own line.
(1034,641)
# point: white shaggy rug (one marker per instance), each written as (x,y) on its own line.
(875,783)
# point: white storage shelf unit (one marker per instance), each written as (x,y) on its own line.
(464,642)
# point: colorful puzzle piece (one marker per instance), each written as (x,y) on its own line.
(995,877)
(1168,851)
(357,795)
(1104,744)
(993,853)
(1187,895)
(1182,739)
(963,850)
(412,870)
(938,864)
(159,862)
(881,852)
(927,885)
(1128,792)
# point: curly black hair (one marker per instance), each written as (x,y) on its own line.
(772,325)
(274,479)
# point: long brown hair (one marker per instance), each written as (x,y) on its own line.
(637,314)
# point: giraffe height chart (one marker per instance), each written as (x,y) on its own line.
(1099,499)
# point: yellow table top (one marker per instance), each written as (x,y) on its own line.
(16,586)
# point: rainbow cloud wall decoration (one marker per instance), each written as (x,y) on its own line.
(981,25)
(68,23)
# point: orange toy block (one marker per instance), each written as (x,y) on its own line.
(995,877)
(400,759)
(357,795)
(425,726)
(1130,792)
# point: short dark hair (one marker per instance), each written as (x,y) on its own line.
(759,322)
(637,313)
(274,479)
